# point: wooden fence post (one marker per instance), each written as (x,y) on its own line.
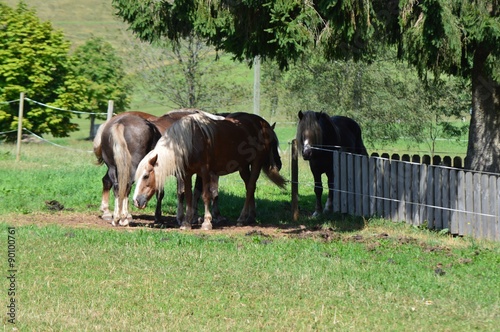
(110,109)
(20,126)
(295,181)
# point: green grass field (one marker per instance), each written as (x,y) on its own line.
(382,278)
(332,273)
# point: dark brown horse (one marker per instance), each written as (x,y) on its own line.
(121,143)
(211,146)
(318,135)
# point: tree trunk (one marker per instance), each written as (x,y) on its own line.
(483,150)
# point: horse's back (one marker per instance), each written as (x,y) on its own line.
(168,119)
(350,133)
(138,133)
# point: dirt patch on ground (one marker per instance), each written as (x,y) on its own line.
(91,220)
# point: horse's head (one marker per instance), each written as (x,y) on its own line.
(309,133)
(145,179)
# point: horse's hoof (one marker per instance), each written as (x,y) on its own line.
(219,219)
(124,222)
(206,226)
(107,216)
(185,226)
(113,223)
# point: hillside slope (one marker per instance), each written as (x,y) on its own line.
(81,19)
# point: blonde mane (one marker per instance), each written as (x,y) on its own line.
(175,147)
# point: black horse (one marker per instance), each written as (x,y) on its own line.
(318,135)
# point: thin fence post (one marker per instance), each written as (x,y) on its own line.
(20,126)
(295,182)
(110,109)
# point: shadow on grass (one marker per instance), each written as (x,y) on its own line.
(271,213)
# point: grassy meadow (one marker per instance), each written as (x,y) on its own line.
(332,273)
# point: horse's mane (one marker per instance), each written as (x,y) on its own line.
(309,125)
(175,147)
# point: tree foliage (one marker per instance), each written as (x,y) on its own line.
(457,37)
(97,62)
(184,74)
(34,59)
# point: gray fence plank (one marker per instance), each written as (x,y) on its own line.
(373,177)
(343,183)
(408,199)
(380,186)
(337,173)
(358,195)
(394,202)
(350,183)
(423,188)
(387,189)
(438,221)
(492,185)
(462,217)
(401,191)
(430,197)
(445,198)
(485,205)
(365,186)
(453,224)
(415,197)
(469,203)
(477,225)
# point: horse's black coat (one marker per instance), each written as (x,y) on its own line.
(317,135)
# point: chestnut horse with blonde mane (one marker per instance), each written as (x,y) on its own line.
(209,146)
(121,143)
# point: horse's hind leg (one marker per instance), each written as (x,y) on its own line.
(318,191)
(329,200)
(180,201)
(125,216)
(106,188)
(188,195)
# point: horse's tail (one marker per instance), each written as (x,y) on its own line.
(123,159)
(97,145)
(274,175)
(273,164)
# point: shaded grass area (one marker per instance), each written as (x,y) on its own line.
(150,280)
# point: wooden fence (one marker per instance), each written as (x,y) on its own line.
(421,194)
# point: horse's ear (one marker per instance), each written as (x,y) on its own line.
(153,160)
(273,126)
(301,115)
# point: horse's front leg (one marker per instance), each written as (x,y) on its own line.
(180,201)
(329,201)
(214,189)
(159,198)
(188,195)
(106,188)
(207,197)
(318,191)
(245,176)
(197,192)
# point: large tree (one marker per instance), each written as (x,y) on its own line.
(34,59)
(458,37)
